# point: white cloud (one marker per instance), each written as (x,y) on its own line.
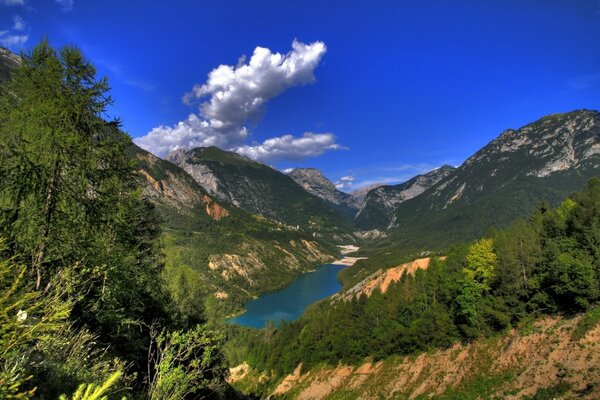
(344,183)
(13,37)
(18,23)
(190,133)
(238,94)
(66,5)
(12,41)
(234,97)
(12,2)
(290,147)
(288,170)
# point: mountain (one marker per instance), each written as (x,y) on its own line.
(314,182)
(233,254)
(542,161)
(360,193)
(260,189)
(377,210)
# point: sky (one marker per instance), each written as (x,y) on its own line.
(366,91)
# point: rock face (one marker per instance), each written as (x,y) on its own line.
(377,210)
(257,188)
(313,181)
(361,193)
(543,161)
(382,278)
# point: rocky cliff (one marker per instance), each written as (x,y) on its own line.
(314,182)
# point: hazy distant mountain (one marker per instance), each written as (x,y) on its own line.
(360,193)
(313,181)
(377,210)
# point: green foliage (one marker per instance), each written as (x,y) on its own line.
(188,363)
(263,190)
(545,265)
(481,262)
(550,393)
(80,268)
(26,319)
(93,392)
(589,321)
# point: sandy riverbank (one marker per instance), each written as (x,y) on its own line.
(348,261)
(347,249)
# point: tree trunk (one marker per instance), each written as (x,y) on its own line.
(49,209)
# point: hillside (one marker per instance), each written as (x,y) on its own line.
(231,254)
(549,358)
(377,210)
(542,161)
(260,189)
(314,182)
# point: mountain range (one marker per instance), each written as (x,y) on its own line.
(541,162)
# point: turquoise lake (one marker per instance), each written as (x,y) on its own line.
(289,303)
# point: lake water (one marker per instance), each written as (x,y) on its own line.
(289,303)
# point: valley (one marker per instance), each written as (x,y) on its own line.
(210,259)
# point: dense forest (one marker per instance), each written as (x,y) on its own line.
(82,312)
(548,264)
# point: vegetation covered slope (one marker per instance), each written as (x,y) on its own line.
(549,264)
(260,189)
(543,161)
(546,359)
(217,255)
(380,204)
(82,305)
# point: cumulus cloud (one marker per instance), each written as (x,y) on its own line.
(344,183)
(234,97)
(288,170)
(238,94)
(188,134)
(290,147)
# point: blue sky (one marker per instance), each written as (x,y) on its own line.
(375,90)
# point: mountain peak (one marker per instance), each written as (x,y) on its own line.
(314,182)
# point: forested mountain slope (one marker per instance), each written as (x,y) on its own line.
(525,277)
(260,189)
(223,256)
(380,204)
(543,161)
